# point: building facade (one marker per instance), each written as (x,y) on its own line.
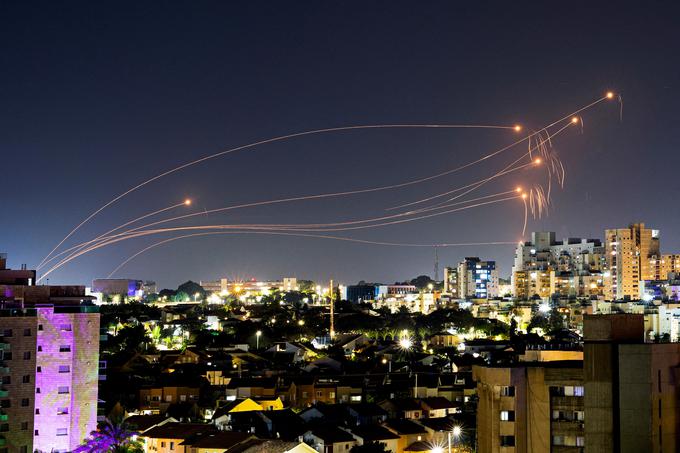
(50,374)
(629,253)
(477,279)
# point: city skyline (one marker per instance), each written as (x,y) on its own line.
(112,114)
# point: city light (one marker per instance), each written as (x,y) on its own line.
(405,343)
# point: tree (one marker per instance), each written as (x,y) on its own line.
(422,281)
(369,447)
(191,288)
(111,438)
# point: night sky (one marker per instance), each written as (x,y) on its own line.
(96,97)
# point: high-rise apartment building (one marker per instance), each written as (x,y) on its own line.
(622,397)
(629,253)
(531,407)
(544,266)
(477,279)
(451,281)
(49,370)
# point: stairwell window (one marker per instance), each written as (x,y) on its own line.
(65,348)
(62,390)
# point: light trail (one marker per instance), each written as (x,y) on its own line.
(292,228)
(280,233)
(478,184)
(264,142)
(186,202)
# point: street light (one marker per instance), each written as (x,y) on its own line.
(257,339)
(456,431)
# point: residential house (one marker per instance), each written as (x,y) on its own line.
(374,433)
(330,439)
(168,437)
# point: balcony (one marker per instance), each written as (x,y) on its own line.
(567,427)
(4,393)
(5,347)
(566,402)
(3,417)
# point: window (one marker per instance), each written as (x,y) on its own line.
(38,369)
(64,369)
(37,411)
(182,398)
(4,427)
(62,411)
(36,432)
(304,394)
(24,426)
(26,379)
(25,402)
(319,394)
(23,449)
(62,390)
(508,416)
(168,398)
(39,348)
(331,394)
(40,327)
(7,356)
(62,432)
(507,441)
(65,327)
(162,444)
(27,355)
(508,391)
(7,333)
(172,445)
(355,398)
(37,390)
(6,380)
(65,348)
(5,404)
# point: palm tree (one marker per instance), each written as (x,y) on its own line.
(111,438)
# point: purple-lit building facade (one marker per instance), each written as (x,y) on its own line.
(49,370)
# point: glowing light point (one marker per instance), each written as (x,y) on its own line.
(405,343)
(187,202)
(537,161)
(518,128)
(610,95)
(574,120)
(518,190)
(437,450)
(524,196)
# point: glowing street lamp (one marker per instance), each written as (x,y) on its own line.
(196,296)
(456,431)
(258,334)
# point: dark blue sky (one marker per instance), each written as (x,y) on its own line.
(96,97)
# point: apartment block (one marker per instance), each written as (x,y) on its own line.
(50,373)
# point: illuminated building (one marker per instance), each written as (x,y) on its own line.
(544,266)
(451,281)
(629,253)
(50,366)
(225,286)
(530,407)
(477,279)
(123,287)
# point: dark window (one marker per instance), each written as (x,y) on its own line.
(26,379)
(23,449)
(37,390)
(65,348)
(27,332)
(40,327)
(25,402)
(38,370)
(6,403)
(24,426)
(36,432)
(7,356)
(4,427)
(37,411)
(7,380)
(7,333)
(507,441)
(27,355)
(508,391)
(39,348)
